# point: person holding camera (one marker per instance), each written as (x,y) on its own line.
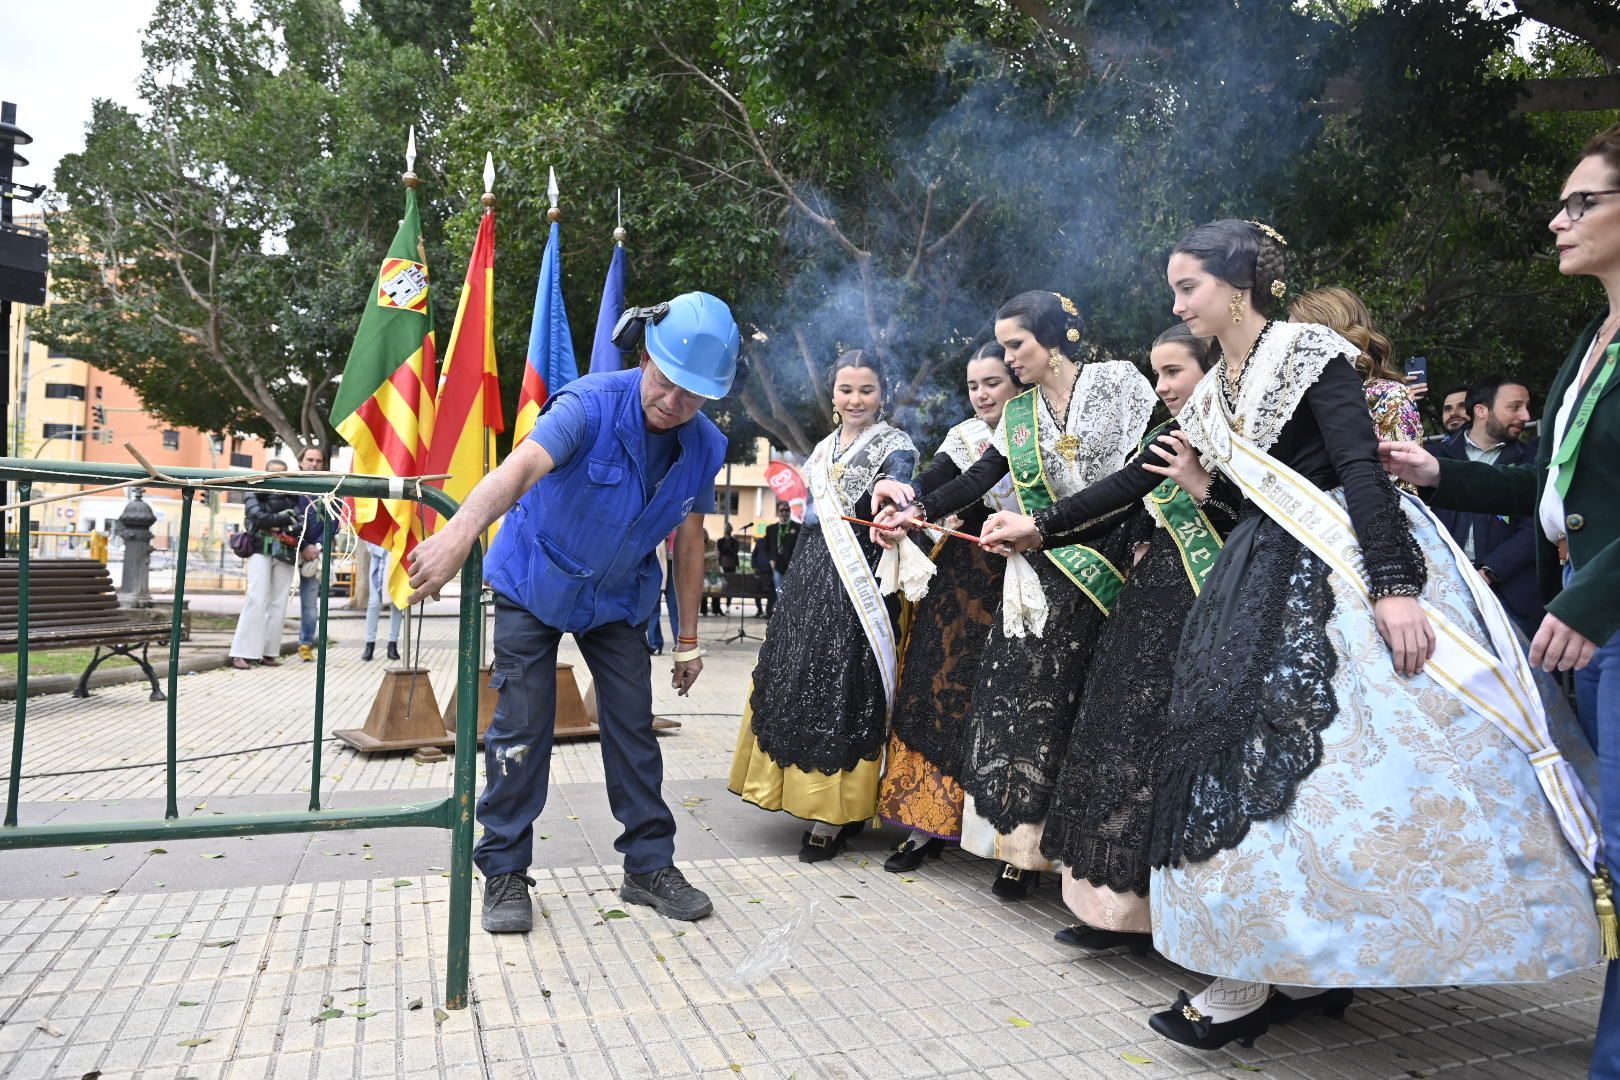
(281,526)
(616,461)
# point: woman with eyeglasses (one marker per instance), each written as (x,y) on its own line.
(1571,491)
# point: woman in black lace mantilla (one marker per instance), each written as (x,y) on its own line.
(1080,422)
(811,742)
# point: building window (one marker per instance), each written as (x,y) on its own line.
(55,354)
(171,439)
(98,393)
(241,461)
(64,391)
(720,501)
(64,431)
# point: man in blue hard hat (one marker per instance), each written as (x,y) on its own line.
(615,462)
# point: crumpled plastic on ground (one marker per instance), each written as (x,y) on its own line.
(775,950)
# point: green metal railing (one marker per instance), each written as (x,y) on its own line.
(454,813)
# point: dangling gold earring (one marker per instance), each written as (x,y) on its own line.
(1236,307)
(1055,358)
(838,418)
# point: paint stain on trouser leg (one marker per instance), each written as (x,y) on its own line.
(513,755)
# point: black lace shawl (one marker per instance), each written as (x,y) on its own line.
(947,635)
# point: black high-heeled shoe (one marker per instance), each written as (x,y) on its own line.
(910,855)
(1283,1009)
(1096,939)
(815,848)
(1013,883)
(1186,1025)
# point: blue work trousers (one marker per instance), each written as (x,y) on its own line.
(517,748)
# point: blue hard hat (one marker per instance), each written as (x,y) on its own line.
(695,345)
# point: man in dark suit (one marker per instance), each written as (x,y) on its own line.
(780,538)
(1502,549)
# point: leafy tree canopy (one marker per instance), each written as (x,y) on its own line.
(856,173)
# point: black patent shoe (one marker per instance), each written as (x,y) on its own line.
(910,855)
(821,848)
(1013,883)
(1282,1009)
(1096,939)
(1186,1025)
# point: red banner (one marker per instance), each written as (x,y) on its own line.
(789,487)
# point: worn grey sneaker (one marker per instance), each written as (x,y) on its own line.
(667,892)
(507,907)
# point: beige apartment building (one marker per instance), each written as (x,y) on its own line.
(64,409)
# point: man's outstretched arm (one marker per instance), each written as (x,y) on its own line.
(439,558)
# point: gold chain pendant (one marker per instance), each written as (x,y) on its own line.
(1069,446)
(837,471)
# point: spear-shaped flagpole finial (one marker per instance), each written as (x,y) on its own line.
(619,234)
(489,182)
(410,159)
(552,190)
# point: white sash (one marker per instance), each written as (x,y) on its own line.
(859,584)
(1499,688)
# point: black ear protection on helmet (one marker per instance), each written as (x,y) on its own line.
(632,325)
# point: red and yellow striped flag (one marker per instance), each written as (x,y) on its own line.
(467,413)
(384,405)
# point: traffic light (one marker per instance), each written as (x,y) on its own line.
(98,413)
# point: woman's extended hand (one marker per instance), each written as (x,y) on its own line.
(1184,467)
(892,493)
(1409,461)
(890,523)
(1007,532)
(1406,630)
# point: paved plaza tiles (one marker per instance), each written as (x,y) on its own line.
(119,962)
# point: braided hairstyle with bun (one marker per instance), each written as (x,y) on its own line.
(1052,319)
(1243,254)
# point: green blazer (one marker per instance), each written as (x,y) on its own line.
(1591,603)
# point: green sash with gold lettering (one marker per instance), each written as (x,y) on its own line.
(1194,536)
(1090,571)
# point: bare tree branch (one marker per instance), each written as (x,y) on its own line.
(1579,19)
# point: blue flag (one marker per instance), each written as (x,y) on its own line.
(605,356)
(550,364)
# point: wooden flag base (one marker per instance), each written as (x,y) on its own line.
(572,721)
(660,723)
(487,697)
(390,726)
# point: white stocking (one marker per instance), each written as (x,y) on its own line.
(918,838)
(1228,999)
(821,828)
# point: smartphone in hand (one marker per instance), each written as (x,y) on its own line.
(1417,369)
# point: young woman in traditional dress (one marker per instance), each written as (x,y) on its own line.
(1098,823)
(1351,788)
(1394,413)
(1078,423)
(812,736)
(940,654)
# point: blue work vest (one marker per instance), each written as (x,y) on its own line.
(578,549)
